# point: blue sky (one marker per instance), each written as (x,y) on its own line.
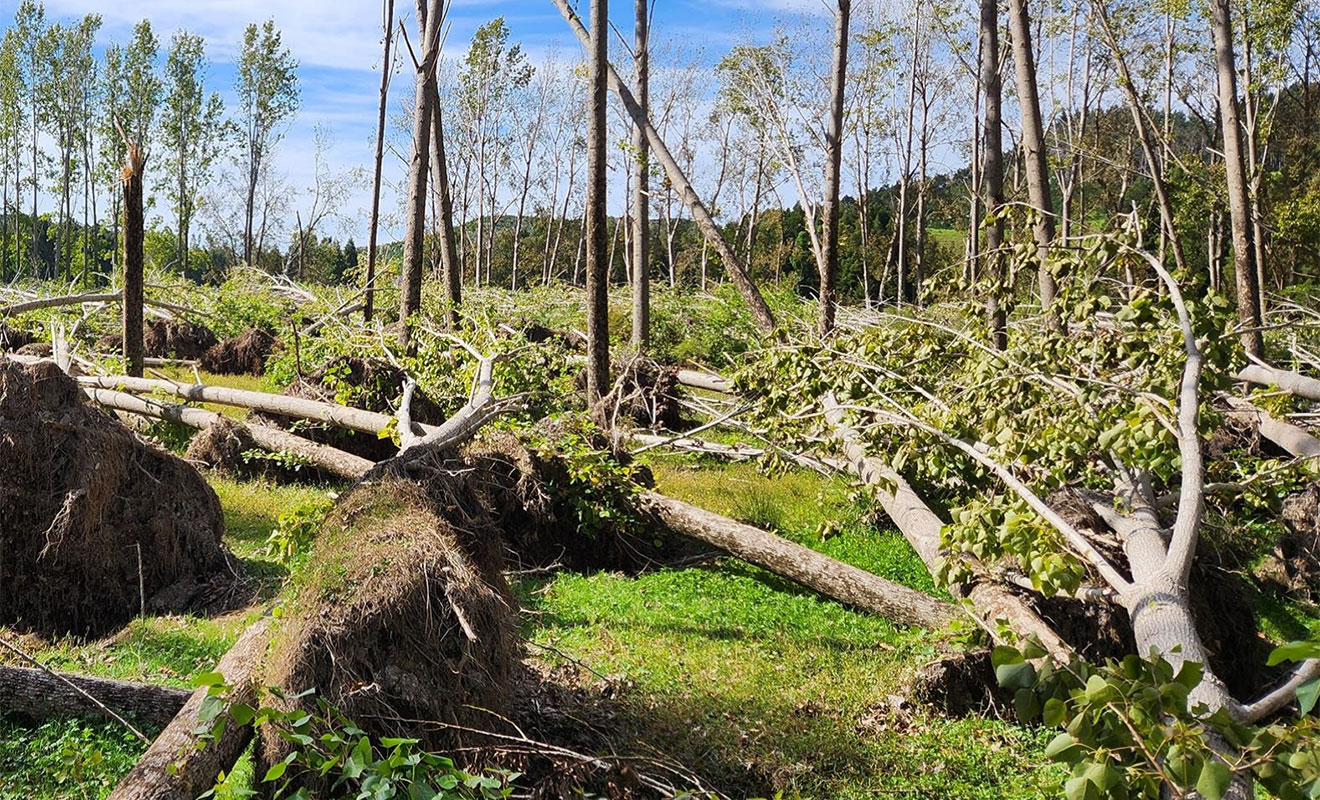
(338,45)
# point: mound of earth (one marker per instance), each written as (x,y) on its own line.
(403,620)
(645,392)
(80,498)
(177,338)
(245,354)
(14,338)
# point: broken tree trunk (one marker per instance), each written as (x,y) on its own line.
(834,579)
(330,459)
(39,694)
(991,603)
(134,349)
(177,766)
(1287,436)
(765,319)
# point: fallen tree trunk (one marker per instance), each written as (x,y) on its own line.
(354,419)
(180,765)
(39,694)
(1290,382)
(827,576)
(1287,436)
(330,459)
(991,602)
(54,302)
(704,380)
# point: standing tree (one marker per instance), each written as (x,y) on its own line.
(833,156)
(386,72)
(1235,173)
(430,18)
(992,173)
(641,277)
(11,150)
(190,133)
(33,41)
(450,264)
(598,298)
(267,89)
(1034,155)
(140,88)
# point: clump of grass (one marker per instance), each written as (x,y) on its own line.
(65,758)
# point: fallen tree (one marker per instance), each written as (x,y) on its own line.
(185,759)
(845,583)
(40,694)
(1290,382)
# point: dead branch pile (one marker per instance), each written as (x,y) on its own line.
(245,354)
(361,383)
(80,498)
(403,618)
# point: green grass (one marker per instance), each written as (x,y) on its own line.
(762,687)
(66,759)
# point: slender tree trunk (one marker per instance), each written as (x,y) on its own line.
(1239,205)
(641,277)
(905,179)
(369,298)
(992,173)
(1033,147)
(410,272)
(834,157)
(450,265)
(133,273)
(598,320)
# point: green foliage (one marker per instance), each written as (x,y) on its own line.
(598,489)
(328,746)
(297,527)
(64,759)
(1130,730)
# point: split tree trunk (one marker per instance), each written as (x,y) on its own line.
(134,349)
(38,694)
(177,766)
(449,263)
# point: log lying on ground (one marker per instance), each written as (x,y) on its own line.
(38,694)
(704,380)
(1287,436)
(843,582)
(176,766)
(54,302)
(990,602)
(337,462)
(354,419)
(1290,382)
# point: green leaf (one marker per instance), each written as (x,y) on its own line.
(1079,789)
(276,771)
(1062,748)
(1004,656)
(1015,676)
(1054,712)
(1307,695)
(242,713)
(1027,705)
(1294,651)
(209,679)
(1214,780)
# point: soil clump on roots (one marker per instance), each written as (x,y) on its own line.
(80,498)
(403,621)
(245,354)
(177,338)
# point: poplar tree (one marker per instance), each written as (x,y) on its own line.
(191,133)
(268,99)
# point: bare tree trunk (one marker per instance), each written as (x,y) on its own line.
(133,256)
(1239,205)
(369,298)
(761,312)
(177,766)
(1033,147)
(598,299)
(450,265)
(410,272)
(992,172)
(641,277)
(842,582)
(39,694)
(834,156)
